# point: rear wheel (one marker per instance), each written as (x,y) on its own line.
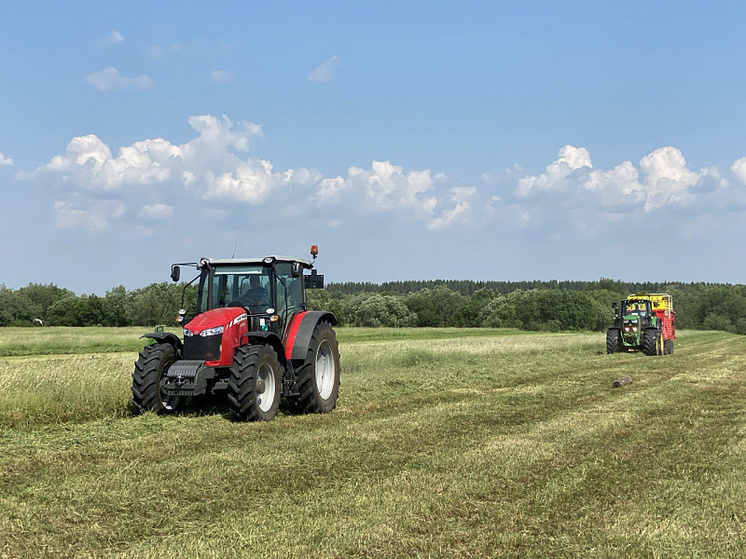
(668,347)
(650,342)
(255,383)
(612,341)
(149,378)
(318,378)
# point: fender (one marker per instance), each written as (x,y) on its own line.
(166,338)
(269,338)
(300,332)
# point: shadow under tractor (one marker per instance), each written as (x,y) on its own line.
(252,341)
(643,322)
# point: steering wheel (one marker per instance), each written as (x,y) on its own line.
(248,302)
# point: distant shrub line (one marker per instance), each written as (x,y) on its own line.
(534,305)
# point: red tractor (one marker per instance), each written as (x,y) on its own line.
(252,340)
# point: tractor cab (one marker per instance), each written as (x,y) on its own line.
(270,290)
(636,307)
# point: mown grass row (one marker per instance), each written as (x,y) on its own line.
(510,446)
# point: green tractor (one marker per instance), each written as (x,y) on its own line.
(643,322)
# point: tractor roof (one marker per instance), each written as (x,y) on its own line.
(239,261)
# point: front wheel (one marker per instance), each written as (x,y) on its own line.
(318,378)
(650,342)
(612,341)
(149,379)
(255,383)
(668,347)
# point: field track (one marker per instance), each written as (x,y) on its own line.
(445,443)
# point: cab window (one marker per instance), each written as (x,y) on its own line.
(289,291)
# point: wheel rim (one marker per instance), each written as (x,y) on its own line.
(325,370)
(265,387)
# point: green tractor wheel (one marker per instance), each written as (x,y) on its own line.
(613,339)
(650,342)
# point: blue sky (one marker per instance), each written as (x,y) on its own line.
(419,140)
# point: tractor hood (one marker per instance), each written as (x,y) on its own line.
(214,318)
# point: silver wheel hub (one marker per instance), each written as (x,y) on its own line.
(325,370)
(265,388)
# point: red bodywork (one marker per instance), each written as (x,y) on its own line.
(235,326)
(234,321)
(668,323)
(291,332)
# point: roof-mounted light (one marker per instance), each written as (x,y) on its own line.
(269,260)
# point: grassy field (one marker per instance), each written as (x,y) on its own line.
(445,443)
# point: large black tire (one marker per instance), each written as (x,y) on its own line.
(613,341)
(650,342)
(318,378)
(668,347)
(148,379)
(255,385)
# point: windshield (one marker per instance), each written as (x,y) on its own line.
(636,307)
(246,285)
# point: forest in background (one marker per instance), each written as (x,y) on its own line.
(528,305)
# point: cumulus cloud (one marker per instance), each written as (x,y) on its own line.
(462,196)
(221,76)
(325,71)
(95,217)
(88,162)
(5,160)
(739,169)
(556,174)
(667,179)
(216,172)
(156,211)
(382,187)
(158,52)
(115,37)
(110,79)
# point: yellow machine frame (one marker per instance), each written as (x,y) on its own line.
(659,301)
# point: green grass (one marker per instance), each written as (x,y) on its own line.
(458,443)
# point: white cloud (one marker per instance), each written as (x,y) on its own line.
(158,52)
(667,178)
(555,176)
(221,76)
(5,160)
(249,183)
(88,162)
(215,168)
(739,169)
(95,218)
(156,211)
(462,196)
(115,37)
(110,79)
(383,187)
(325,71)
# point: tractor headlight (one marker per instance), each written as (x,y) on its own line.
(211,331)
(188,333)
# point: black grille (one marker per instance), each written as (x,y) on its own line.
(204,349)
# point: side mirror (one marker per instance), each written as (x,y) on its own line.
(314,281)
(175,273)
(297,269)
(613,305)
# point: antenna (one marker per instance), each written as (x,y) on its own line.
(234,250)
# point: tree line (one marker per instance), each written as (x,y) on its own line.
(547,306)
